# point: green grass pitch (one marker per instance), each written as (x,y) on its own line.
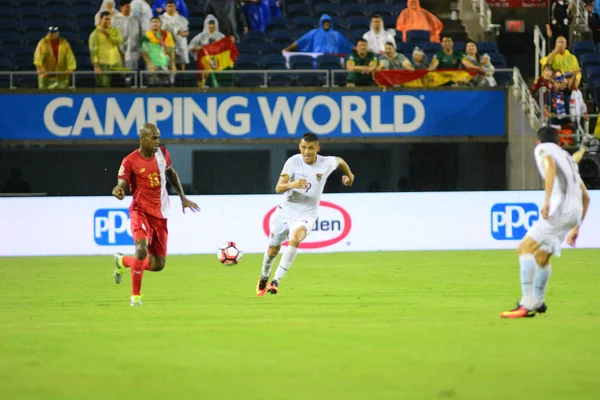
(405,325)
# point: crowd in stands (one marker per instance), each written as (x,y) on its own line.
(165,36)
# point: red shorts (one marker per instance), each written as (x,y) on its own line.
(145,226)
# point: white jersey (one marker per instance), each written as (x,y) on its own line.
(306,201)
(566,197)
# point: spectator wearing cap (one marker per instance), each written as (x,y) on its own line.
(53,55)
(229,14)
(377,37)
(391,60)
(107,5)
(209,34)
(160,6)
(178,26)
(419,59)
(561,59)
(104,45)
(361,63)
(324,39)
(416,18)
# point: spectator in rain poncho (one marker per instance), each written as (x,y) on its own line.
(178,26)
(209,35)
(416,18)
(377,37)
(229,14)
(107,5)
(141,10)
(160,6)
(258,14)
(323,39)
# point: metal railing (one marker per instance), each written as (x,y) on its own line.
(140,79)
(581,16)
(539,42)
(529,105)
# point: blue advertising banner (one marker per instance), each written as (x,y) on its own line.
(253,115)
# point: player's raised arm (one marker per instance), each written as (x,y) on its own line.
(174,180)
(550,176)
(284,184)
(348,178)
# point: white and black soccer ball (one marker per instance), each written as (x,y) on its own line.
(229,253)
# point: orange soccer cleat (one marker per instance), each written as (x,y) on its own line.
(519,312)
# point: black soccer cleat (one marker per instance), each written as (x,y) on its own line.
(541,309)
(273,287)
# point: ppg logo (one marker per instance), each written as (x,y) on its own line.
(112,228)
(512,221)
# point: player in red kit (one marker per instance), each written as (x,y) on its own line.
(146,171)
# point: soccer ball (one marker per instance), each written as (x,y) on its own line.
(229,254)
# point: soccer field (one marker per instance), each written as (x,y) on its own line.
(410,325)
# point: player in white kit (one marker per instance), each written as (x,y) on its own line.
(565,205)
(302,180)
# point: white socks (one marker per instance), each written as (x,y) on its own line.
(528,265)
(542,275)
(286,262)
(267,266)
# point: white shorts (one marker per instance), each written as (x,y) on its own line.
(282,226)
(551,233)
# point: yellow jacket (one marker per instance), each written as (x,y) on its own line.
(44,56)
(104,49)
(564,63)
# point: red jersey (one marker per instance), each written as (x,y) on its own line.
(147,181)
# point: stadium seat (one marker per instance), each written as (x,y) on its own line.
(254,37)
(591,73)
(11,38)
(273,61)
(583,47)
(352,23)
(328,61)
(245,48)
(7,11)
(430,47)
(327,8)
(5,63)
(353,10)
(304,23)
(504,78)
(58,10)
(389,21)
(382,9)
(269,48)
(247,61)
(356,34)
(498,60)
(589,57)
(302,62)
(402,47)
(280,80)
(487,47)
(298,10)
(310,80)
(417,36)
(283,38)
(249,80)
(278,23)
(196,24)
(460,46)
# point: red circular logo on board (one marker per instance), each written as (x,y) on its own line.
(322,243)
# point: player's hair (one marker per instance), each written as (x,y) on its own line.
(548,67)
(153,18)
(447,36)
(389,44)
(376,16)
(310,137)
(547,134)
(104,14)
(124,2)
(362,40)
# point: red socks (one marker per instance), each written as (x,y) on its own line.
(137,272)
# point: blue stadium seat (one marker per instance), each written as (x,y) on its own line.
(35,25)
(592,72)
(24,61)
(245,48)
(280,80)
(283,38)
(329,61)
(498,60)
(383,9)
(291,3)
(247,61)
(53,3)
(590,64)
(389,21)
(10,25)
(254,37)
(583,47)
(402,47)
(7,11)
(487,47)
(353,10)
(418,36)
(399,7)
(277,23)
(8,49)
(249,80)
(504,78)
(33,37)
(430,47)
(589,57)
(304,23)
(356,34)
(351,23)
(298,10)
(302,62)
(327,8)
(5,63)
(273,61)
(58,10)
(309,80)
(460,46)
(269,48)
(26,3)
(196,24)
(11,37)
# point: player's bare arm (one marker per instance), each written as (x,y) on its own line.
(585,198)
(173,179)
(348,178)
(284,184)
(550,175)
(578,155)
(119,190)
